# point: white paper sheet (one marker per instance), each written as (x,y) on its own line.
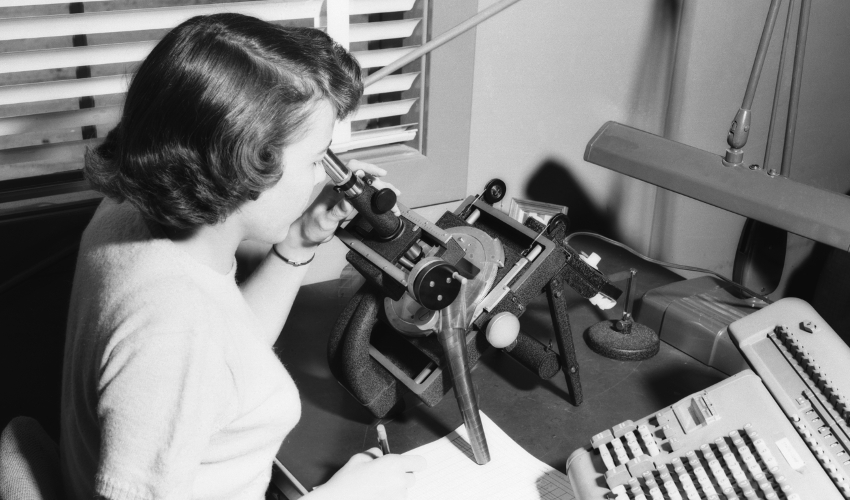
(511,474)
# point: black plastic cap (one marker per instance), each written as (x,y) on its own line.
(435,287)
(494,191)
(383,201)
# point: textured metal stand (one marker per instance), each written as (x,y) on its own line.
(564,336)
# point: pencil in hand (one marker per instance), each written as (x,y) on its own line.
(382,439)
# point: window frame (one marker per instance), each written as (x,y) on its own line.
(438,174)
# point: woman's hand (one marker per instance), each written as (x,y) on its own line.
(370,476)
(318,223)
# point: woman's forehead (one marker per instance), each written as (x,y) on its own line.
(317,128)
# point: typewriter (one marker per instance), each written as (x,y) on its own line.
(778,431)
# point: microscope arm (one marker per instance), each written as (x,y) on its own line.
(584,278)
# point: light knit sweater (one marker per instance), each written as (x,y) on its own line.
(168,389)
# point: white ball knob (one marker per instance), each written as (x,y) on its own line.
(502,330)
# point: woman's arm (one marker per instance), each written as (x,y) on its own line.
(272,287)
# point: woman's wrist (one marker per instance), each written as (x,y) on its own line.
(292,262)
(294,254)
(295,248)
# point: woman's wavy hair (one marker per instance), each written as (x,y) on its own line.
(210,111)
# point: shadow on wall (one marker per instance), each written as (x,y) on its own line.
(821,278)
(553,182)
(652,83)
(831,298)
(806,277)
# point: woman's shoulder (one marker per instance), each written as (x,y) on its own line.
(127,275)
(115,241)
(114,222)
(163,315)
(120,251)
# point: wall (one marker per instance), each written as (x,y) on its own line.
(548,74)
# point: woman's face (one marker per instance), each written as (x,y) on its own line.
(267,219)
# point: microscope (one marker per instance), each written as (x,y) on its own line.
(438,294)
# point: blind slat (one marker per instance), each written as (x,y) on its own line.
(60,152)
(63,89)
(91,55)
(378,57)
(377,137)
(383,109)
(59,120)
(24,3)
(383,30)
(392,83)
(148,19)
(383,131)
(379,6)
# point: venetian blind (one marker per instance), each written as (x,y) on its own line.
(65,67)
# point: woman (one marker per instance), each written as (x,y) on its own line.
(170,386)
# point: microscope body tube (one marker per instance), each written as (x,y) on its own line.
(384,225)
(452,340)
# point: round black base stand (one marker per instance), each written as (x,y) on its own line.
(635,343)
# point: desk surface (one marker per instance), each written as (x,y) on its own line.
(536,413)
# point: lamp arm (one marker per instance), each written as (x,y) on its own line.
(796,79)
(777,91)
(439,40)
(739,130)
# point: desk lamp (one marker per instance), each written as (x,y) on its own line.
(767,196)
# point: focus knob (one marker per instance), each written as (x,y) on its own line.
(383,201)
(502,330)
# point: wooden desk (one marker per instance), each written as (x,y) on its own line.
(536,413)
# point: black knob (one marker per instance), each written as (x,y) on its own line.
(555,221)
(383,201)
(435,287)
(494,191)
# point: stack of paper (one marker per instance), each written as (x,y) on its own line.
(511,474)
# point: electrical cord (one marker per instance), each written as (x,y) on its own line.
(671,265)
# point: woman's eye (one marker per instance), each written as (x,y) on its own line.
(319,171)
